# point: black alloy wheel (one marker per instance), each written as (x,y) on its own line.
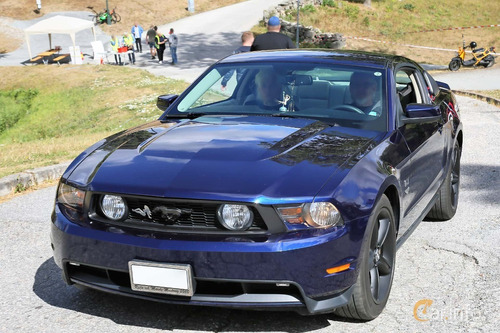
(376,266)
(447,202)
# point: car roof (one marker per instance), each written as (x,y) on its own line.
(356,58)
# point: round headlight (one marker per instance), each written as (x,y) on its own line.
(114,207)
(323,214)
(235,217)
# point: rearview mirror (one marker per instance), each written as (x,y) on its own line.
(164,101)
(421,113)
(299,79)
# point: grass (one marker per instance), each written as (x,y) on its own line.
(490,93)
(63,110)
(394,20)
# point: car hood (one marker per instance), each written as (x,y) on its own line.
(239,158)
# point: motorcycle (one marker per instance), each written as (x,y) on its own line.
(480,57)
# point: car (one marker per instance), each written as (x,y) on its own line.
(290,186)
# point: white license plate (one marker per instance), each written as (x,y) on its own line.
(172,279)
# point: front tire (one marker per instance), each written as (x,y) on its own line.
(454,65)
(447,202)
(376,266)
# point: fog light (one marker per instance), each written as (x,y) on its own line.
(114,207)
(235,217)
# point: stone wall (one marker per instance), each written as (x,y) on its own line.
(307,34)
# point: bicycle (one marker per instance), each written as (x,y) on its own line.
(102,17)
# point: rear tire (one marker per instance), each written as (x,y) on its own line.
(454,65)
(447,202)
(491,63)
(376,266)
(116,18)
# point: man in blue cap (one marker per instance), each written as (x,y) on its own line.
(272,39)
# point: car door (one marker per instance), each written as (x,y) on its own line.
(426,143)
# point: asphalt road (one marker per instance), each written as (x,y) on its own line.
(472,79)
(455,264)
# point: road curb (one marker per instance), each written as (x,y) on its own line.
(483,98)
(29,178)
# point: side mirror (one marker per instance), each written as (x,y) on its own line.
(421,113)
(443,85)
(164,101)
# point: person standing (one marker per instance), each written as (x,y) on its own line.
(128,41)
(160,45)
(272,39)
(173,41)
(247,39)
(137,33)
(115,44)
(150,39)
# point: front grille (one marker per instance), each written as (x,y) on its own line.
(163,214)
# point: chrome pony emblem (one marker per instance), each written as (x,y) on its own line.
(162,213)
(170,214)
(143,213)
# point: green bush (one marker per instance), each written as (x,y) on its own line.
(409,6)
(308,9)
(329,3)
(351,11)
(366,21)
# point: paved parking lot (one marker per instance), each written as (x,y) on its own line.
(454,264)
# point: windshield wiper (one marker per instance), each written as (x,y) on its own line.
(282,114)
(190,115)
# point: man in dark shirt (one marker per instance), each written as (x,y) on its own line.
(272,39)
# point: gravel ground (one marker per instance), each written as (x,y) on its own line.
(454,264)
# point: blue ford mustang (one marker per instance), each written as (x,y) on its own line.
(289,186)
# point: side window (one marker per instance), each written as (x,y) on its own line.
(432,86)
(408,88)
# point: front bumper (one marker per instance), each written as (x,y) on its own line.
(284,273)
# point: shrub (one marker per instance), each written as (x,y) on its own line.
(329,3)
(409,6)
(351,11)
(308,9)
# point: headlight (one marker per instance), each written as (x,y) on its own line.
(316,214)
(70,196)
(235,217)
(71,200)
(113,206)
(322,214)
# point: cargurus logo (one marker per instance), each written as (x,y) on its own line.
(424,310)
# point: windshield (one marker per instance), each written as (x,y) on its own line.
(344,95)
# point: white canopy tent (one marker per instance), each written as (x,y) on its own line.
(58,25)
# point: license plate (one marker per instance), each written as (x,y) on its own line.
(172,279)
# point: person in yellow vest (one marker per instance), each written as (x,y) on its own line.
(128,41)
(160,41)
(115,44)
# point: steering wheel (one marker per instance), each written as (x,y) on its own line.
(349,108)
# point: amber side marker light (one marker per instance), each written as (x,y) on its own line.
(338,269)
